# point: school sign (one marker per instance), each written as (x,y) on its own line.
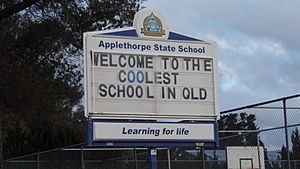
(149,72)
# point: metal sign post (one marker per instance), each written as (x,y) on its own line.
(152,157)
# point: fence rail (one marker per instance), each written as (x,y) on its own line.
(272,125)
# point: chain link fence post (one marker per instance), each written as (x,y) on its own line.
(286,134)
(203,157)
(135,158)
(82,158)
(258,150)
(169,158)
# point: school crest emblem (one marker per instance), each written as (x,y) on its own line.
(152,26)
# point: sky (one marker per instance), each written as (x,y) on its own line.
(258,44)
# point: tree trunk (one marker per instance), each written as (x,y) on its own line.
(1,139)
(2,117)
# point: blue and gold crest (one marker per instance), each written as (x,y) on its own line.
(152,26)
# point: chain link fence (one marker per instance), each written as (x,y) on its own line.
(271,126)
(89,158)
(277,122)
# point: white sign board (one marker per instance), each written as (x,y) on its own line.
(245,157)
(146,76)
(105,131)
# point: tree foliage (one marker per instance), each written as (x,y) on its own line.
(295,153)
(41,69)
(295,139)
(233,122)
(240,122)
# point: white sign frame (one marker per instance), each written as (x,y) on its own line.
(91,44)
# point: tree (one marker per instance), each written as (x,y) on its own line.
(242,121)
(295,138)
(233,122)
(284,156)
(295,153)
(15,8)
(41,70)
